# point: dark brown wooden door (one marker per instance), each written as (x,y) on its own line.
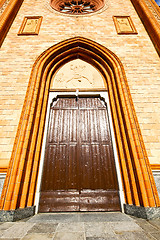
(79,169)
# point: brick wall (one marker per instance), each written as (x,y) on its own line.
(140,60)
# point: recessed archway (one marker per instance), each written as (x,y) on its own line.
(20,185)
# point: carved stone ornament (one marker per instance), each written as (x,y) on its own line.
(3,5)
(30,25)
(124,25)
(78,74)
(77,7)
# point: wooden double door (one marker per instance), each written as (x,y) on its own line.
(79,168)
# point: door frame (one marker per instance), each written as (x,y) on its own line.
(104,95)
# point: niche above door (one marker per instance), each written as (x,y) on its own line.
(78,74)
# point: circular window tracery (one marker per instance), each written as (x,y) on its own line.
(77,7)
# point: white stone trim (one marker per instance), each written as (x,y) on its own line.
(3,175)
(2,179)
(156,175)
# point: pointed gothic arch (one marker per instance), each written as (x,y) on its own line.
(20,184)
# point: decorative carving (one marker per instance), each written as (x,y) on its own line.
(154,8)
(124,25)
(77,74)
(3,5)
(77,6)
(30,26)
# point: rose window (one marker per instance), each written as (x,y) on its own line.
(77,6)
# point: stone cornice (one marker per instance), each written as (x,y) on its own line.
(150,22)
(7,18)
(154,8)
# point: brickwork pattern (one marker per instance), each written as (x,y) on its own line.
(140,60)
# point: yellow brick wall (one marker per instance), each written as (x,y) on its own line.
(140,60)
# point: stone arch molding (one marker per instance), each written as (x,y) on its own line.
(20,184)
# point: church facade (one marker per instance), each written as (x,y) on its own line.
(79,107)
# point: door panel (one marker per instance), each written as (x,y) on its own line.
(98,200)
(79,168)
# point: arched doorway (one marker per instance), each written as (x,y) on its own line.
(21,181)
(79,168)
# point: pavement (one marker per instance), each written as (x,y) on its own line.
(81,226)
